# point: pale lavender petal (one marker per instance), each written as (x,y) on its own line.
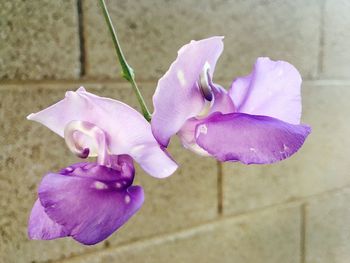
(41,226)
(187,136)
(177,97)
(128,132)
(249,138)
(89,210)
(272,89)
(222,101)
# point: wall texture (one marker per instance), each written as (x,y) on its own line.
(294,211)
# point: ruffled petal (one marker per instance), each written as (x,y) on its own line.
(41,226)
(249,139)
(89,210)
(122,172)
(127,131)
(178,97)
(272,89)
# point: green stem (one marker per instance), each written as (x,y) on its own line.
(127,71)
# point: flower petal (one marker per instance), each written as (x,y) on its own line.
(249,138)
(88,209)
(272,89)
(41,226)
(221,102)
(128,132)
(177,97)
(187,136)
(122,172)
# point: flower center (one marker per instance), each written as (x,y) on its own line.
(84,139)
(205,82)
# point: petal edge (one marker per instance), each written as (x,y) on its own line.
(177,96)
(250,139)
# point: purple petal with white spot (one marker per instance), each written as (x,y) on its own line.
(88,209)
(123,170)
(126,129)
(178,97)
(41,226)
(249,139)
(272,89)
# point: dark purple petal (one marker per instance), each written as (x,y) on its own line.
(272,89)
(41,226)
(123,170)
(250,139)
(178,97)
(88,209)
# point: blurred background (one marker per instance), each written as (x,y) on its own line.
(295,211)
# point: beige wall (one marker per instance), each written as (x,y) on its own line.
(294,211)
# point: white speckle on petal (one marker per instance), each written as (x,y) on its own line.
(127,199)
(201,129)
(285,149)
(252,149)
(181,77)
(118,185)
(69,169)
(100,185)
(206,65)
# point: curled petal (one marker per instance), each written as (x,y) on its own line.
(249,139)
(272,89)
(187,136)
(89,210)
(41,226)
(126,130)
(80,135)
(178,97)
(221,102)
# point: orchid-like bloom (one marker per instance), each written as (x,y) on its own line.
(89,201)
(256,122)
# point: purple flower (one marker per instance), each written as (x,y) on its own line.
(125,130)
(256,121)
(89,201)
(86,201)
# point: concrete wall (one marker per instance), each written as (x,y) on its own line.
(294,211)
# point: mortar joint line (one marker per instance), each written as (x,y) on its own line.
(220,190)
(303,232)
(81,33)
(320,66)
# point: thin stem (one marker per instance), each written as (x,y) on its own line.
(127,71)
